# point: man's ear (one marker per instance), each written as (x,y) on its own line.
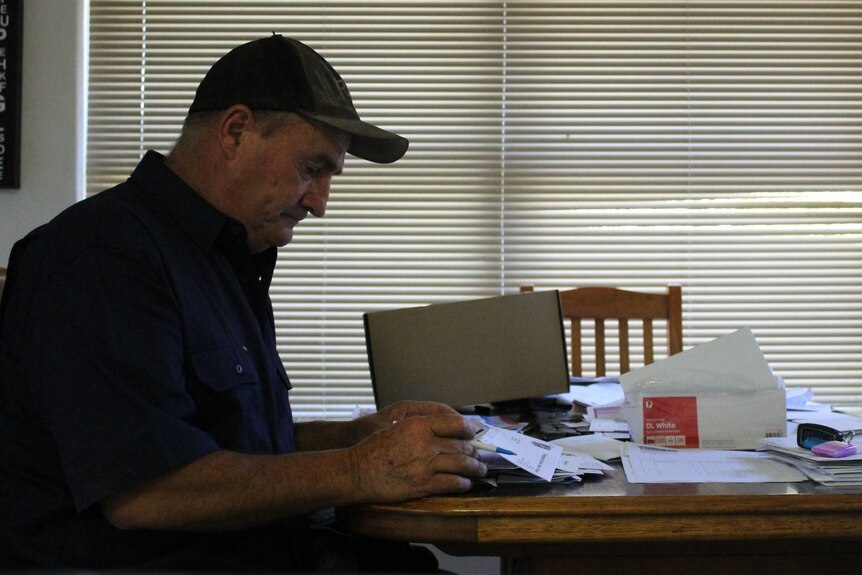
(235,121)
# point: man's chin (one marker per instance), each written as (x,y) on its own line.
(277,234)
(284,238)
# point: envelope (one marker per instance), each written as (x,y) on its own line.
(718,395)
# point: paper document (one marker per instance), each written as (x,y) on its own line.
(647,464)
(538,457)
(609,426)
(574,463)
(798,397)
(839,421)
(595,394)
(598,446)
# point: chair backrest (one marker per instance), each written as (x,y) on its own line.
(2,279)
(601,303)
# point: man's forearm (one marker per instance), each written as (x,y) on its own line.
(318,435)
(417,457)
(226,490)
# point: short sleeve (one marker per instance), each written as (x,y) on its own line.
(109,378)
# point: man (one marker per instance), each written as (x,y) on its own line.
(144,412)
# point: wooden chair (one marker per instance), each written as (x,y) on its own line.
(601,303)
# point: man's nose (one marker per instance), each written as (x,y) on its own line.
(315,200)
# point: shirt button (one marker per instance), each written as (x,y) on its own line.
(239,368)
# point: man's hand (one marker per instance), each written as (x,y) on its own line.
(397,412)
(321,435)
(415,456)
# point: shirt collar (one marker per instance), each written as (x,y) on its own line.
(210,228)
(201,220)
(232,241)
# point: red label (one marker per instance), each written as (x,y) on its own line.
(671,421)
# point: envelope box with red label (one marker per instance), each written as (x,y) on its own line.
(718,395)
(707,420)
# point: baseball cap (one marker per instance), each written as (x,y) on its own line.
(283,74)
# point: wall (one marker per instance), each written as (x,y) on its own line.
(53,118)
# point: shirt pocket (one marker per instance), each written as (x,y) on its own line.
(282,374)
(224,367)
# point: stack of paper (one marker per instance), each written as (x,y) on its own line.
(606,394)
(570,468)
(825,470)
(532,460)
(599,405)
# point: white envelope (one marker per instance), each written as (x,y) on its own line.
(718,395)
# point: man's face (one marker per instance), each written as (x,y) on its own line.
(280,179)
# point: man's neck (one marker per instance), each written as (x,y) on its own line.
(200,173)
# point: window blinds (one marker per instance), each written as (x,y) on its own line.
(712,144)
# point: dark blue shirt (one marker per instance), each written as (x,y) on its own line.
(136,336)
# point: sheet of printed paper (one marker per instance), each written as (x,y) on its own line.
(834,420)
(598,446)
(648,464)
(575,463)
(609,426)
(538,457)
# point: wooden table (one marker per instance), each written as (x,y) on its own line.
(606,525)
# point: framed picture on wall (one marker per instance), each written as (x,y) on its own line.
(11,35)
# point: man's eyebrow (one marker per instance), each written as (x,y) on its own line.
(325,163)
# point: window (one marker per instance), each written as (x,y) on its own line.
(713,144)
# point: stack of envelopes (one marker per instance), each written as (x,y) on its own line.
(825,470)
(523,459)
(570,469)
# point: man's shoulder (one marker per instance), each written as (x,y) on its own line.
(124,200)
(119,218)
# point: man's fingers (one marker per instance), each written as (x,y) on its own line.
(459,464)
(448,483)
(453,426)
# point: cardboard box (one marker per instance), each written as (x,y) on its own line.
(718,395)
